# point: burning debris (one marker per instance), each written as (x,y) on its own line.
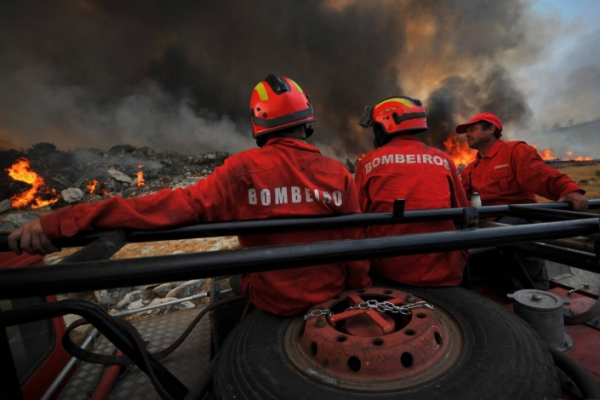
(34,178)
(140,176)
(35,196)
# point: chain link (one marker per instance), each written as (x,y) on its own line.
(384,306)
(318,313)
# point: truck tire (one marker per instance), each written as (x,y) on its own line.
(503,358)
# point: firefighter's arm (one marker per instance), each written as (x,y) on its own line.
(535,175)
(31,239)
(160,210)
(577,200)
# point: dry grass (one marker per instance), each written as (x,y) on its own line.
(586,176)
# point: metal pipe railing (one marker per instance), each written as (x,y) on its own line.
(577,243)
(66,278)
(305,223)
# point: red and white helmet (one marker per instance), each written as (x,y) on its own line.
(398,114)
(278,103)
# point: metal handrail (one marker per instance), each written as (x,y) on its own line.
(95,275)
(312,223)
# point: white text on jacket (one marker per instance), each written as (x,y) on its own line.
(281,195)
(406,159)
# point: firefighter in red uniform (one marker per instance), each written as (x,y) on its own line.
(403,167)
(284,177)
(513,173)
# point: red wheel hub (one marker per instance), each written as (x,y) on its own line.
(364,349)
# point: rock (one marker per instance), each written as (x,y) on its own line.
(5,205)
(186,289)
(131,297)
(118,175)
(72,195)
(13,221)
(162,290)
(111,297)
(135,305)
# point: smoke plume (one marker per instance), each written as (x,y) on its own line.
(178,75)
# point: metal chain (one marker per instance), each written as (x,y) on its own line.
(318,313)
(381,307)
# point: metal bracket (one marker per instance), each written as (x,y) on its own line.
(471,217)
(398,210)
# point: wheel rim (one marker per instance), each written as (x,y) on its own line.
(365,350)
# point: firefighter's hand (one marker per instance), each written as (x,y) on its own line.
(31,239)
(577,199)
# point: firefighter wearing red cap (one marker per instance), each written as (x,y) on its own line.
(512,172)
(403,167)
(284,177)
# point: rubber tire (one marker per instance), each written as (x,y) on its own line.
(504,358)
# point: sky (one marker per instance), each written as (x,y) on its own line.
(178,75)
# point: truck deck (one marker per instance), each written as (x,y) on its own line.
(560,237)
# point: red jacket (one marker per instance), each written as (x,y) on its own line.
(426,178)
(513,173)
(285,178)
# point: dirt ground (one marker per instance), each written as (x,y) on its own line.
(588,177)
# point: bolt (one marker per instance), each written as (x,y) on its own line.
(536,297)
(410,298)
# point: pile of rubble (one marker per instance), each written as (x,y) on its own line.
(90,174)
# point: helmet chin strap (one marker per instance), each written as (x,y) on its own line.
(308,130)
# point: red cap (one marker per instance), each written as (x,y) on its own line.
(489,117)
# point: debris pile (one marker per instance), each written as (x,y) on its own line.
(83,175)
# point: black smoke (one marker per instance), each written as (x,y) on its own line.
(178,75)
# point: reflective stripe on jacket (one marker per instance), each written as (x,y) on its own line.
(426,178)
(285,178)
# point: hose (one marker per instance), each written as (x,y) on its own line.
(584,381)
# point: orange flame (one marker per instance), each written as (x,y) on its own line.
(547,155)
(92,186)
(140,176)
(459,151)
(20,172)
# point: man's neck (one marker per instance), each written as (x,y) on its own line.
(485,148)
